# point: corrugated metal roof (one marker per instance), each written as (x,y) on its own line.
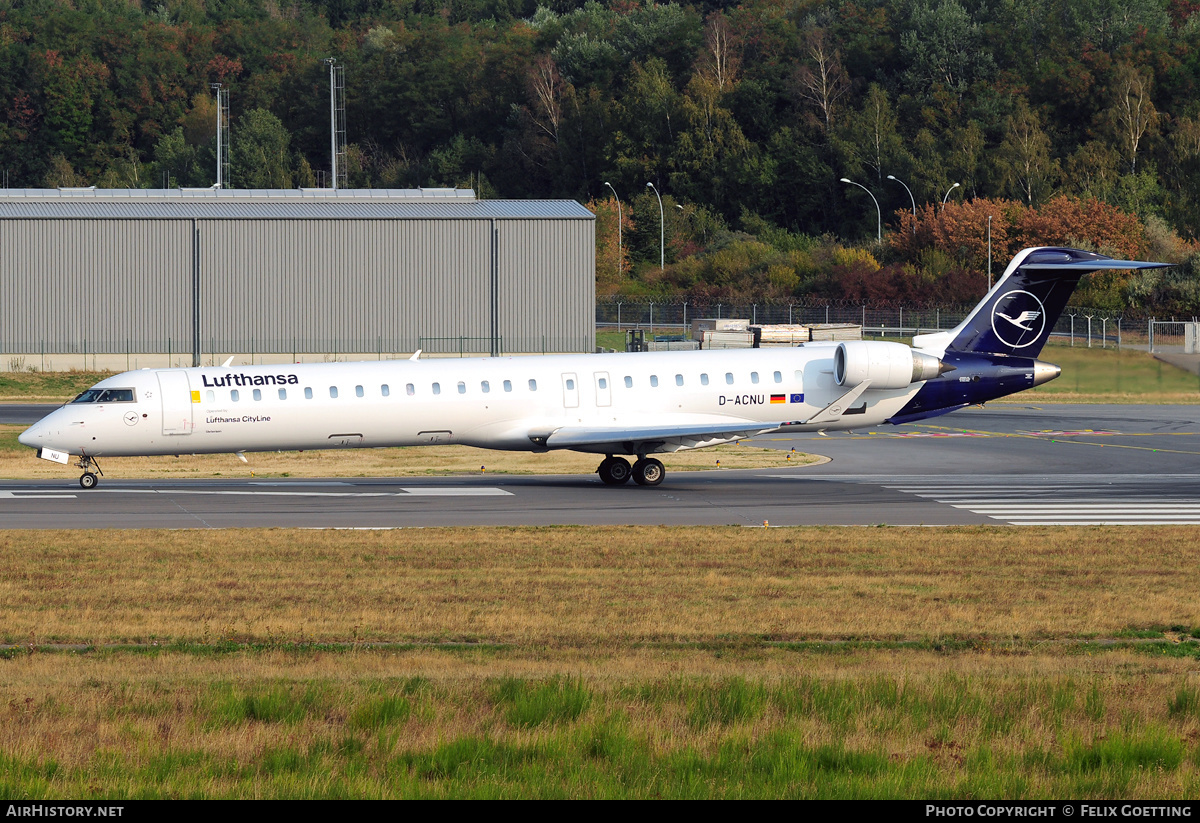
(291,209)
(93,194)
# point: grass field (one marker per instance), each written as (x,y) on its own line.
(614,662)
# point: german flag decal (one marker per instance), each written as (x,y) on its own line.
(779,398)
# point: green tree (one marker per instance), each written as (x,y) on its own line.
(1024,164)
(260,156)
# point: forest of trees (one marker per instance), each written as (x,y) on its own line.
(1064,121)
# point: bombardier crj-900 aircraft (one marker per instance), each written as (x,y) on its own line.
(607,404)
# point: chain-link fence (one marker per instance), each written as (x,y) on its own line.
(1076,327)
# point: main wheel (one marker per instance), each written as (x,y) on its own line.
(614,471)
(648,472)
(88,480)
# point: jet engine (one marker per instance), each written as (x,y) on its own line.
(886,365)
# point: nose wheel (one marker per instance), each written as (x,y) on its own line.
(89,479)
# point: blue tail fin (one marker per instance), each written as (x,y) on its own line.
(1019,313)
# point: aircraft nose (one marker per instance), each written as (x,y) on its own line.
(32,436)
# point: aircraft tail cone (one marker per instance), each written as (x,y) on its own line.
(1044,372)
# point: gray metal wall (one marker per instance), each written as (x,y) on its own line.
(339,286)
(95,285)
(544,303)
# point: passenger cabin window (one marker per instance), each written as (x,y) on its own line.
(753,377)
(234,396)
(283,394)
(729,377)
(603,383)
(437,388)
(778,377)
(333,392)
(679,380)
(628,382)
(210,396)
(358,391)
(704,380)
(508,385)
(800,374)
(257,394)
(485,387)
(654,380)
(410,389)
(570,384)
(105,396)
(462,387)
(532,385)
(308,393)
(384,390)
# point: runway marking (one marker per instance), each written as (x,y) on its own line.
(1064,503)
(411,491)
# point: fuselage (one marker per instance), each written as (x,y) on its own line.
(498,403)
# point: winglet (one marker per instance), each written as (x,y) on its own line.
(225,365)
(416,355)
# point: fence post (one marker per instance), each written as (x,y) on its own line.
(651,320)
(618,316)
(1150,334)
(1118,334)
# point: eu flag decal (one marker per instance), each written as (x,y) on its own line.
(797,398)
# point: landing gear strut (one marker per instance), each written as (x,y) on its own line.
(614,470)
(89,480)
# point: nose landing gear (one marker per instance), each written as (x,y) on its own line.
(89,479)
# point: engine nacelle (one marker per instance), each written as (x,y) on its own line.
(886,365)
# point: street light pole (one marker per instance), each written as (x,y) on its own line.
(947,197)
(878,211)
(662,230)
(618,199)
(910,197)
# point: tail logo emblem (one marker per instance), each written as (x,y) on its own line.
(1019,329)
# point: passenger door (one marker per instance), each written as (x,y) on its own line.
(177,402)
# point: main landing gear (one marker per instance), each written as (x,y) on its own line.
(89,480)
(645,472)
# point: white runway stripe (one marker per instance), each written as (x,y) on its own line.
(1058,502)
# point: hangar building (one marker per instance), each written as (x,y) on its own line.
(288,275)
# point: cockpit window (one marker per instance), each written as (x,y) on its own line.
(105,396)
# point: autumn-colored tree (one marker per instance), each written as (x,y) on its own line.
(612,262)
(1090,223)
(958,230)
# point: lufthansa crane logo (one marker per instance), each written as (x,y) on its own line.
(1018,319)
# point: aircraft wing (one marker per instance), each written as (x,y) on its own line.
(626,438)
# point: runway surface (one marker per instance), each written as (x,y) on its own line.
(1006,464)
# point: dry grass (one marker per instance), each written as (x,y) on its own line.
(19,462)
(602,587)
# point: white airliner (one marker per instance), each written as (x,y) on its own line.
(610,404)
